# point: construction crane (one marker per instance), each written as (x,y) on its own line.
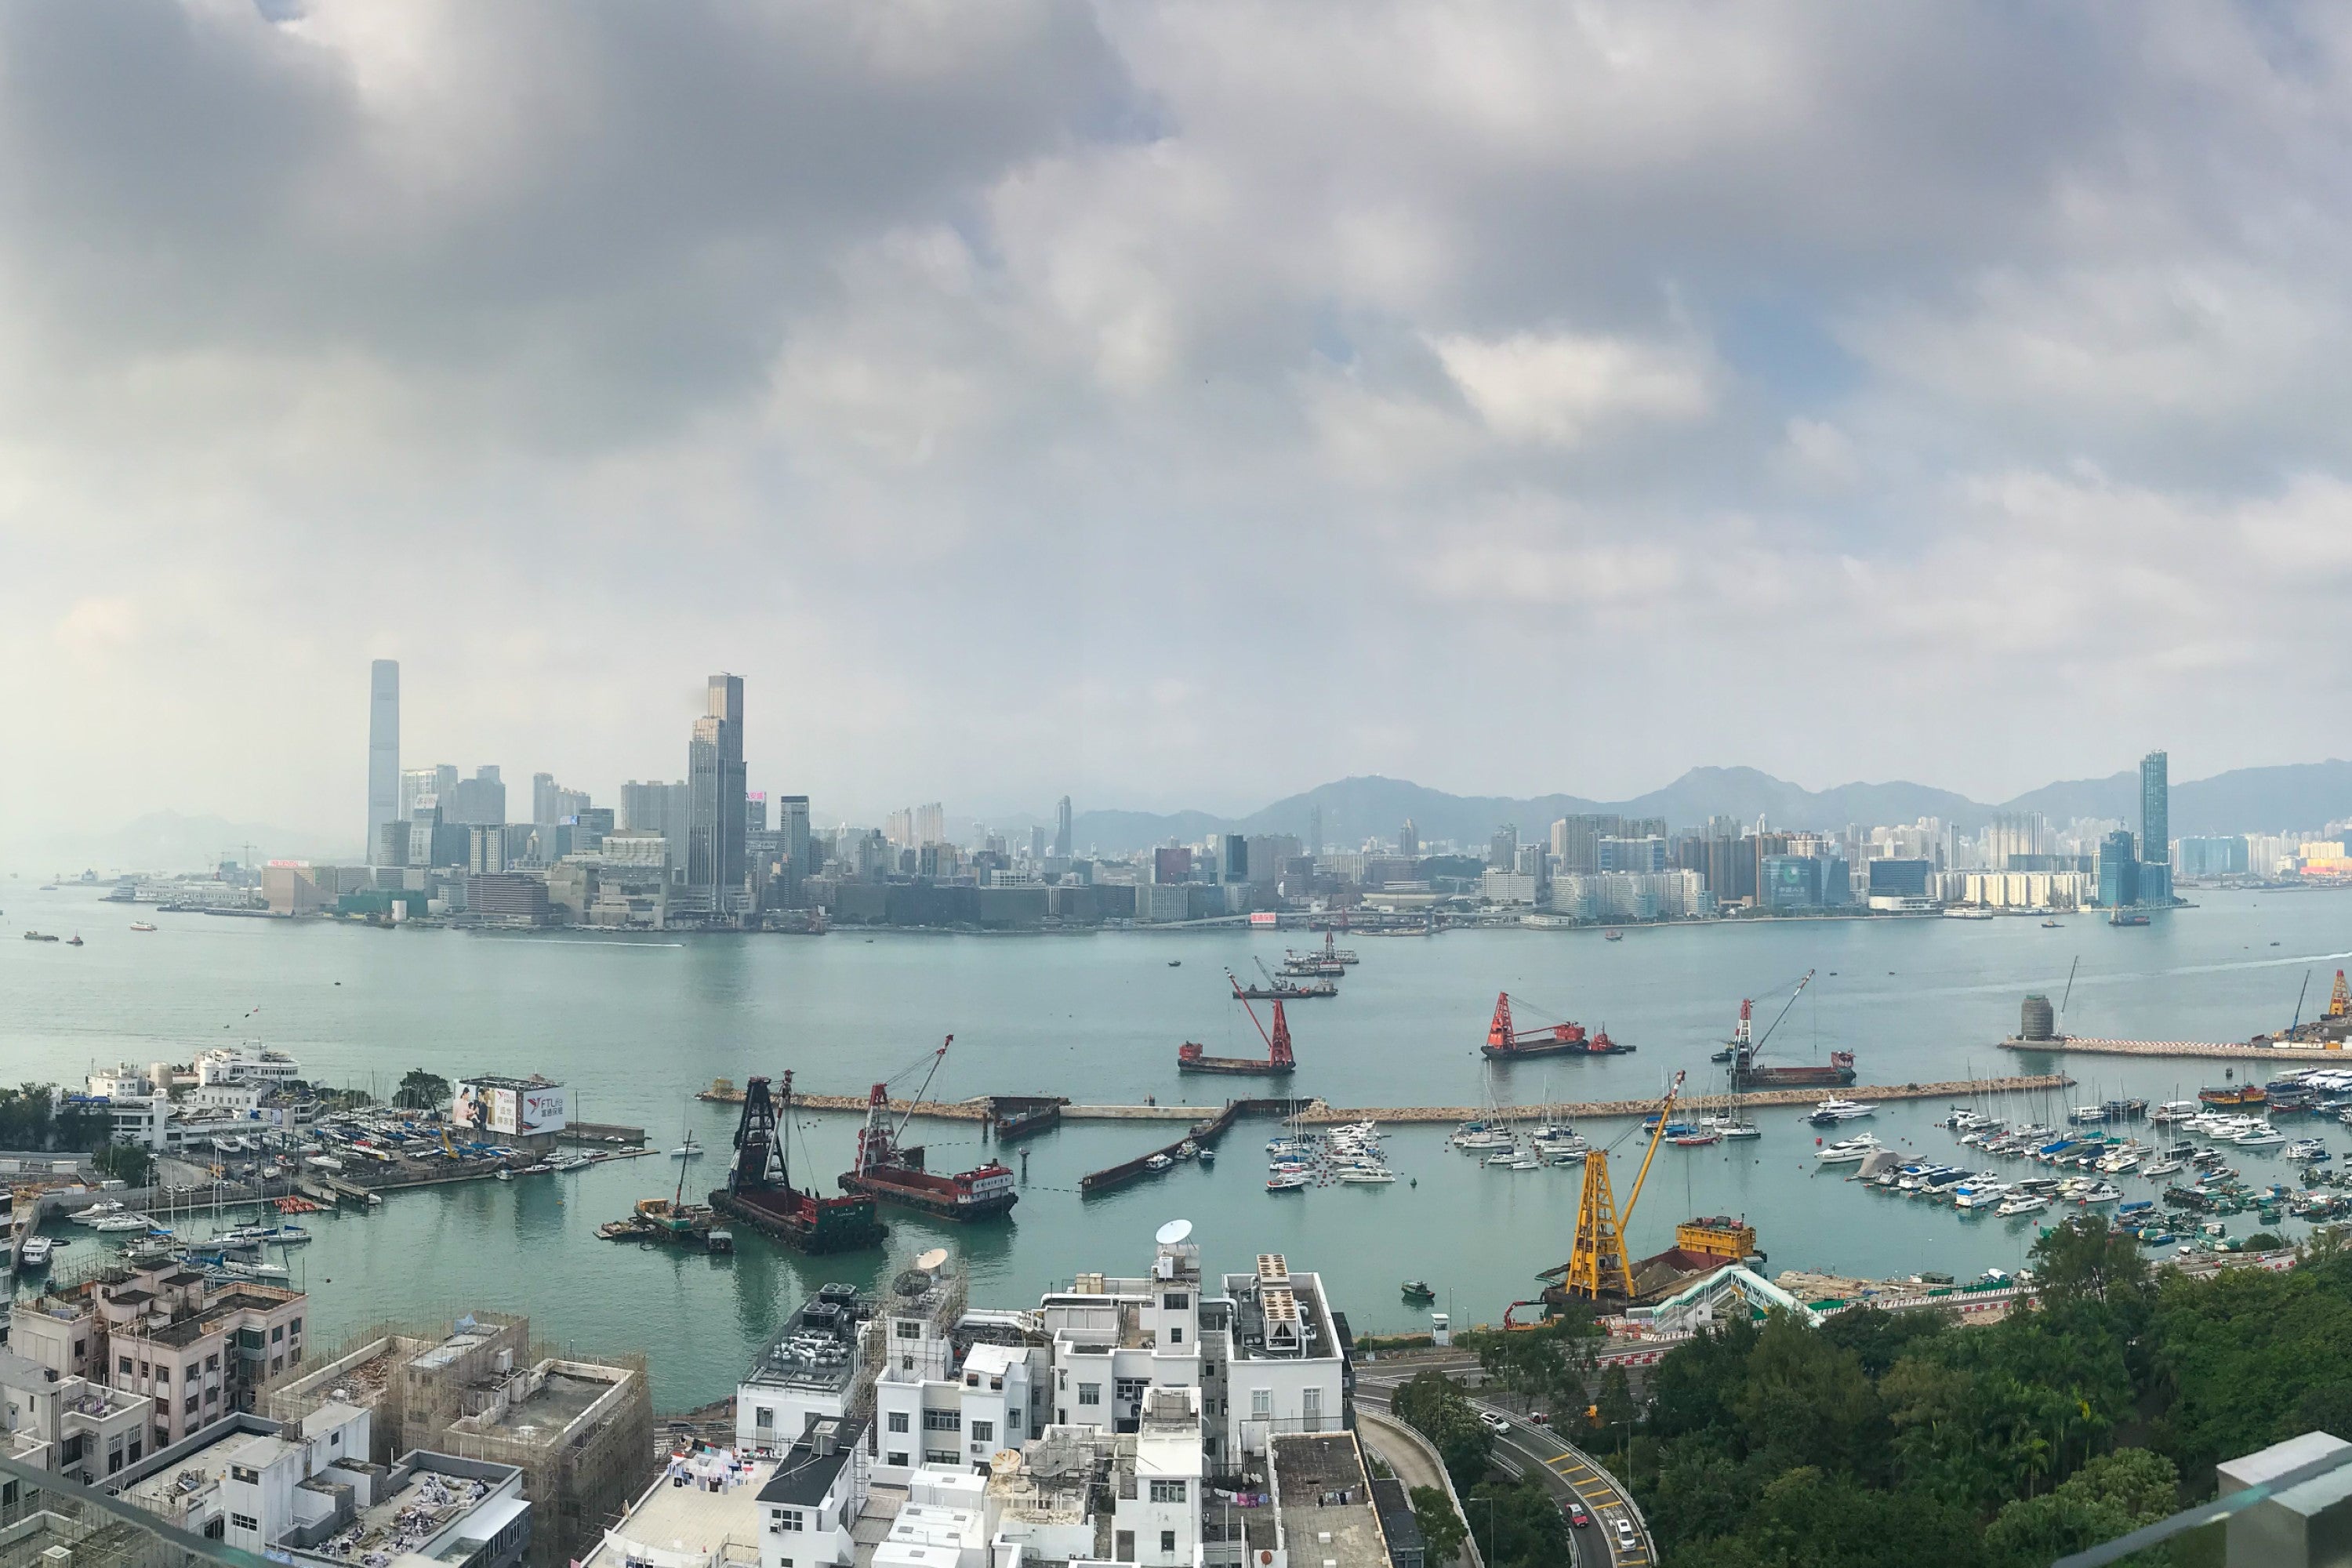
(2339,1000)
(1597,1265)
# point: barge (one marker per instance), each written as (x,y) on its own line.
(1192,1056)
(759,1191)
(896,1174)
(1504,1042)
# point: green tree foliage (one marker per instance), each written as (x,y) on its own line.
(1908,1438)
(1517,1524)
(421,1091)
(1435,1406)
(130,1163)
(31,1121)
(1442,1533)
(1546,1365)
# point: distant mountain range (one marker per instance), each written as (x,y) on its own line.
(2245,800)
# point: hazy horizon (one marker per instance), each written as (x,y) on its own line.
(1173,406)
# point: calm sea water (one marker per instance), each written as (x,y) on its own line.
(635,1025)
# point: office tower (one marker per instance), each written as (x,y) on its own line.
(1171,863)
(1503,849)
(422,787)
(794,822)
(1061,828)
(1409,840)
(755,812)
(482,798)
(2155,807)
(714,772)
(383,750)
(2118,870)
(1037,841)
(543,798)
(931,824)
(1234,863)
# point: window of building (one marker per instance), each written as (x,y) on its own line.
(763,1418)
(295,1327)
(73,1449)
(245,1522)
(1167,1541)
(81,1349)
(1090,1394)
(1168,1491)
(276,1363)
(212,1362)
(1175,1301)
(983,1431)
(897,1456)
(1261,1403)
(1175,1333)
(1130,1388)
(941,1457)
(123,1366)
(897,1421)
(1310,1404)
(790,1518)
(906,1329)
(190,1406)
(277,1334)
(942,1420)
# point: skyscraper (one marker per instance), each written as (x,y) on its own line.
(931,824)
(424,788)
(1061,828)
(383,750)
(714,772)
(792,823)
(2156,808)
(1409,840)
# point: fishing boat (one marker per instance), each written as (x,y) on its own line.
(1612,936)
(38,936)
(74,940)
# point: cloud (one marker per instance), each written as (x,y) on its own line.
(1021,395)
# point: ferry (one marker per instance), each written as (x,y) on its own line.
(2234,1094)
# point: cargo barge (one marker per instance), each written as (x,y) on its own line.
(1506,1043)
(1277,1062)
(896,1174)
(1747,1074)
(759,1191)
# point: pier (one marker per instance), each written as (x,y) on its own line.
(2239,1050)
(1203,1135)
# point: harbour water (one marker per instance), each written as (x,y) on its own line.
(635,1025)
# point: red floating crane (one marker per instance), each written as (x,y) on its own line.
(1506,1043)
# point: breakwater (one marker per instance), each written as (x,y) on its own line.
(2238,1050)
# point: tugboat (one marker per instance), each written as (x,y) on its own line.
(894,1173)
(759,1191)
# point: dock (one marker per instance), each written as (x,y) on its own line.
(2239,1050)
(1204,1134)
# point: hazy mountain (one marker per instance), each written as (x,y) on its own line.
(167,841)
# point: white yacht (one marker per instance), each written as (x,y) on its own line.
(1850,1152)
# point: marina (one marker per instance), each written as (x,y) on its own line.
(1074,1039)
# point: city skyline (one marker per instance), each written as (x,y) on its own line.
(1761,441)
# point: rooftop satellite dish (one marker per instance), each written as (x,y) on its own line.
(1174,1231)
(929,1262)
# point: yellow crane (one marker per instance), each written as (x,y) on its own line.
(1597,1265)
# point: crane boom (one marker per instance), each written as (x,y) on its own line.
(1666,1108)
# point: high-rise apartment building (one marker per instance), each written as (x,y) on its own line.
(1503,849)
(931,824)
(2155,807)
(1061,828)
(1409,840)
(714,775)
(384,749)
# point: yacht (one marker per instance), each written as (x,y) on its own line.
(2021,1203)
(2263,1137)
(1851,1151)
(689,1150)
(1835,1110)
(36,1252)
(105,1208)
(2103,1193)
(1285,1182)
(1362,1177)
(2308,1150)
(2173,1111)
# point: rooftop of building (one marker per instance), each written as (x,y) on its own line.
(801,1478)
(817,1346)
(1321,1489)
(429,1500)
(560,1398)
(1279,1315)
(179,1476)
(678,1521)
(214,1316)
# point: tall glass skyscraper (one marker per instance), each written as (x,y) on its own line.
(714,775)
(383,752)
(2155,808)
(1061,828)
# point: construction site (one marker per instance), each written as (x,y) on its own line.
(479,1387)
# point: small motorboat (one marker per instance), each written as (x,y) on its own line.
(1285,1182)
(505,1175)
(1417,1290)
(1158,1163)
(1208,1156)
(142,925)
(1175,963)
(1612,936)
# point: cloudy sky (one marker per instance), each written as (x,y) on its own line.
(1173,404)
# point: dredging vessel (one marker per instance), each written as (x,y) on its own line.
(759,1191)
(1746,1074)
(1506,1043)
(894,1173)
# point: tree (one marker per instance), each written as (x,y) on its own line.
(2085,1259)
(421,1091)
(1518,1524)
(1435,1406)
(1545,1364)
(1442,1533)
(128,1164)
(2113,1495)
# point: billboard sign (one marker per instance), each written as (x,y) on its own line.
(525,1111)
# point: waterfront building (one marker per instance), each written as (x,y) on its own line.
(247,1063)
(511,898)
(715,773)
(2118,870)
(1903,879)
(384,749)
(2156,813)
(307,1492)
(1233,863)
(1503,885)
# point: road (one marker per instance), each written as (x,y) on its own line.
(1411,1466)
(1567,1472)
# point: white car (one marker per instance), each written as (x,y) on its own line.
(1495,1423)
(1625,1539)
